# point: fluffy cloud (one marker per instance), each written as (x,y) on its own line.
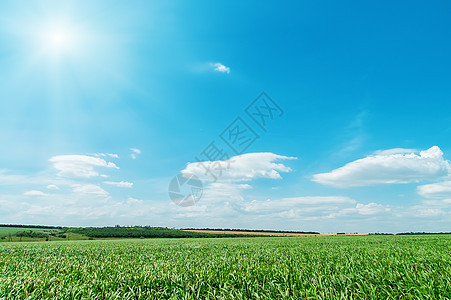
(430,212)
(318,200)
(89,189)
(224,197)
(107,154)
(81,166)
(135,153)
(230,206)
(224,192)
(52,187)
(123,184)
(243,167)
(301,204)
(361,209)
(435,190)
(388,167)
(370,208)
(218,67)
(34,193)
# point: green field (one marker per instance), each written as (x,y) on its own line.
(375,267)
(6,231)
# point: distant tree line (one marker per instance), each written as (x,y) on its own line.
(380,233)
(31,226)
(408,233)
(419,233)
(32,234)
(254,230)
(141,231)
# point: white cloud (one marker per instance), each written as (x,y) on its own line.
(430,212)
(435,190)
(388,167)
(230,202)
(132,201)
(34,193)
(395,151)
(370,208)
(220,68)
(106,154)
(437,196)
(301,204)
(90,189)
(224,197)
(315,200)
(361,209)
(123,184)
(81,166)
(243,167)
(135,153)
(52,187)
(223,192)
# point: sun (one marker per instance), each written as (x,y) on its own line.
(58,39)
(56,42)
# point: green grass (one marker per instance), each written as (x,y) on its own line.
(360,267)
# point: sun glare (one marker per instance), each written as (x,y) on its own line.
(58,39)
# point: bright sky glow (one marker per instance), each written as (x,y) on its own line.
(57,40)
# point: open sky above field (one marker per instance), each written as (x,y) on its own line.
(102,103)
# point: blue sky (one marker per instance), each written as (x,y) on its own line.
(102,103)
